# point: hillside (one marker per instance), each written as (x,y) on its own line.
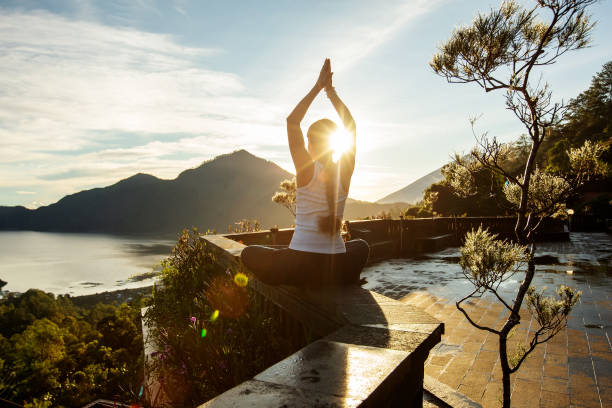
(413,192)
(214,195)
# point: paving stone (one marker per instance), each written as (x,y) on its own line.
(560,359)
(525,373)
(556,371)
(476,380)
(451,379)
(553,399)
(605,393)
(526,392)
(485,361)
(555,385)
(433,370)
(603,371)
(580,366)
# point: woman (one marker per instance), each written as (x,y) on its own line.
(317,255)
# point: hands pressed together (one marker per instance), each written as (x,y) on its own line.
(325,76)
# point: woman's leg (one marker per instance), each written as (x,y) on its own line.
(286,266)
(357,251)
(270,265)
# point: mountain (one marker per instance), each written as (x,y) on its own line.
(413,192)
(214,195)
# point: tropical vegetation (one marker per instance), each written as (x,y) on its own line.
(55,353)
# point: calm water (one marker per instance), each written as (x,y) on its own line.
(77,264)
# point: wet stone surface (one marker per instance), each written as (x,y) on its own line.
(338,369)
(584,263)
(267,395)
(574,368)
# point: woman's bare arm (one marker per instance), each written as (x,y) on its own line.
(301,158)
(347,160)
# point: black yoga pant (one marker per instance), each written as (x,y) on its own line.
(298,268)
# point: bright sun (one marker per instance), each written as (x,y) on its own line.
(340,142)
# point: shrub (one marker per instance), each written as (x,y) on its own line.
(208,327)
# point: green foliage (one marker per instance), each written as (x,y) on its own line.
(547,193)
(550,312)
(589,117)
(487,261)
(53,353)
(420,210)
(586,160)
(208,327)
(511,35)
(518,355)
(578,151)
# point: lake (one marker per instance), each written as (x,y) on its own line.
(77,263)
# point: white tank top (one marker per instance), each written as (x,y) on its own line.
(311,203)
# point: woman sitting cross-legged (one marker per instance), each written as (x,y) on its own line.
(317,255)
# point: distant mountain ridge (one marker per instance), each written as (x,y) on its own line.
(413,192)
(214,195)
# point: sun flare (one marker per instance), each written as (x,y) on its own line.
(340,142)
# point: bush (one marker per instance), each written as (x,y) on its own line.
(209,328)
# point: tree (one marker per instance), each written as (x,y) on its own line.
(54,353)
(286,197)
(588,117)
(499,51)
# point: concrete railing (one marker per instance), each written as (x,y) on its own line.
(370,352)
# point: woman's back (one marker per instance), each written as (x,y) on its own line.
(311,205)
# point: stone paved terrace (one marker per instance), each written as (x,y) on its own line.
(573,369)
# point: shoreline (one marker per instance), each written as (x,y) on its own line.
(112,297)
(115,297)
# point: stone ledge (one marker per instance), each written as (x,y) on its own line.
(261,394)
(373,354)
(406,341)
(342,370)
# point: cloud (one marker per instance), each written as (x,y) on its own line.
(352,45)
(67,87)
(83,104)
(22,192)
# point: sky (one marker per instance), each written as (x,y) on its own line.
(92,92)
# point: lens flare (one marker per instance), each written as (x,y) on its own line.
(214,315)
(227,297)
(340,142)
(241,279)
(203,333)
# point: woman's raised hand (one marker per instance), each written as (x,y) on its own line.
(325,75)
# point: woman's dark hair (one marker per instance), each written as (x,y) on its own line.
(320,132)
